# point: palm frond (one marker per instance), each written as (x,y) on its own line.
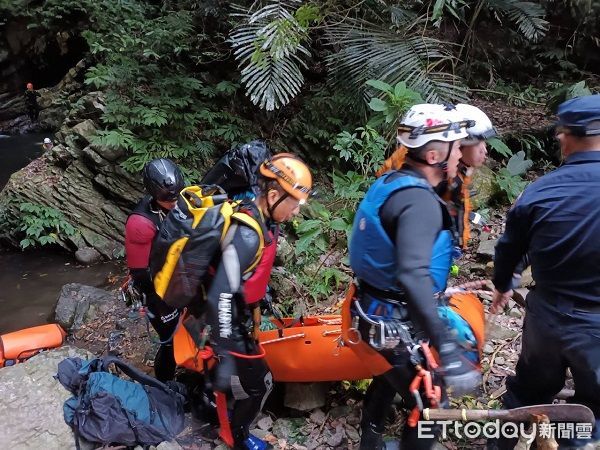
(267,44)
(528,16)
(368,51)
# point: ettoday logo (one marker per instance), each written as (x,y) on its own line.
(497,429)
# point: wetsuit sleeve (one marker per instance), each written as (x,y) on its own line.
(225,303)
(139,234)
(414,219)
(511,248)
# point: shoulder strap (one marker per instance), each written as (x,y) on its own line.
(252,223)
(133,373)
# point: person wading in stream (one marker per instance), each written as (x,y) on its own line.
(557,222)
(401,252)
(163,181)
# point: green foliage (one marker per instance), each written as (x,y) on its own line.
(509,179)
(43,225)
(395,101)
(364,149)
(377,51)
(500,147)
(157,106)
(267,44)
(565,92)
(317,121)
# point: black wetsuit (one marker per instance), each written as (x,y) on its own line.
(247,382)
(412,218)
(140,230)
(31,104)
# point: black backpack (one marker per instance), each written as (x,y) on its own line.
(110,410)
(237,172)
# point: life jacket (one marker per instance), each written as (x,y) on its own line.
(372,252)
(145,209)
(255,287)
(458,201)
(457,197)
(190,240)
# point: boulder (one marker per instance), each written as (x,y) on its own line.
(31,403)
(306,396)
(87,256)
(85,129)
(483,186)
(486,249)
(79,304)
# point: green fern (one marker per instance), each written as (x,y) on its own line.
(268,47)
(528,16)
(369,51)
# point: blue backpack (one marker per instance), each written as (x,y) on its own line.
(111,410)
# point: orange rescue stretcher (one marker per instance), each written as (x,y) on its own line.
(20,345)
(321,348)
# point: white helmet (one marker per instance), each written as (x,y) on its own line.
(483,128)
(428,122)
(47,141)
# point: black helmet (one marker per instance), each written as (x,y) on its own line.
(163,180)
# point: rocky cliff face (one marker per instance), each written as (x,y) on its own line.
(54,105)
(79,179)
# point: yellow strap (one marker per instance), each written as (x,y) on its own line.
(252,223)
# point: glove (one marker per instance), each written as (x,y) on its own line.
(460,375)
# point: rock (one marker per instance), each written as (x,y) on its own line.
(169,446)
(500,360)
(305,396)
(87,256)
(486,249)
(352,433)
(85,129)
(31,403)
(78,304)
(317,416)
(282,428)
(109,153)
(93,159)
(335,437)
(265,423)
(495,331)
(489,269)
(285,252)
(340,411)
(83,181)
(526,278)
(261,434)
(488,349)
(282,282)
(483,185)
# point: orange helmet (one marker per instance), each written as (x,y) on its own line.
(29,86)
(292,174)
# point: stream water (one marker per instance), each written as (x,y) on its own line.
(30,282)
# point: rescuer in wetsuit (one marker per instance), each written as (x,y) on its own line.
(233,294)
(401,252)
(163,181)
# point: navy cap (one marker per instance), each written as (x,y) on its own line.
(578,112)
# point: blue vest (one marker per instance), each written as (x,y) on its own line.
(372,252)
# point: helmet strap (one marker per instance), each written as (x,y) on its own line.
(442,165)
(271,208)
